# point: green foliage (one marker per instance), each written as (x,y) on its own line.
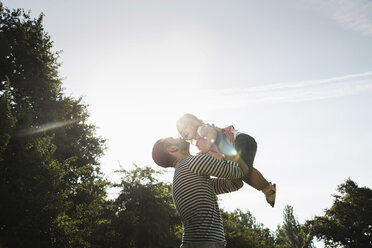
(7,120)
(291,234)
(242,231)
(349,221)
(52,192)
(145,209)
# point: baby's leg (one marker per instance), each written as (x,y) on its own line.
(255,179)
(246,146)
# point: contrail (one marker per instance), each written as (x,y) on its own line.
(286,92)
(356,15)
(293,92)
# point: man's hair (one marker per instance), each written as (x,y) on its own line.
(160,154)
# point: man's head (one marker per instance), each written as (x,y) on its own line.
(166,151)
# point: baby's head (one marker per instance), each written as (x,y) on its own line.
(187,126)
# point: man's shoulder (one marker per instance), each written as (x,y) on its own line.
(193,159)
(186,160)
(199,156)
(199,160)
(190,158)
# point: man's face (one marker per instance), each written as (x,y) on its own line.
(180,143)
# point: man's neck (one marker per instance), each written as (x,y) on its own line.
(179,157)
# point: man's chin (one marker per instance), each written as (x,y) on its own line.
(184,145)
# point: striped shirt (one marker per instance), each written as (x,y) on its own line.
(194,195)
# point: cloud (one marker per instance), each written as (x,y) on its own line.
(355,15)
(290,92)
(175,100)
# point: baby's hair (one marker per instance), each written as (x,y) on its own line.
(189,119)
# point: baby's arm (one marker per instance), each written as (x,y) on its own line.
(209,134)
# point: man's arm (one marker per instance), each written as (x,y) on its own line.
(222,185)
(240,162)
(207,165)
(237,182)
(235,158)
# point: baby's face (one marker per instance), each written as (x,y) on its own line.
(187,132)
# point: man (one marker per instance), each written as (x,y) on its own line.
(194,192)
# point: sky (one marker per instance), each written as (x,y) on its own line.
(294,74)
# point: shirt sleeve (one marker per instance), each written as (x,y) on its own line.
(203,164)
(222,185)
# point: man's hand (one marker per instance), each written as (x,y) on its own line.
(216,155)
(236,158)
(238,182)
(240,161)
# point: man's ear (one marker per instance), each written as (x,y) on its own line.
(172,148)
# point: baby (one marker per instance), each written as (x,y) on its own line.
(226,141)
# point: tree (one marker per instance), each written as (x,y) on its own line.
(242,231)
(7,120)
(291,234)
(348,223)
(145,209)
(52,192)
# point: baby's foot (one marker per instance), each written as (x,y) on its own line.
(270,194)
